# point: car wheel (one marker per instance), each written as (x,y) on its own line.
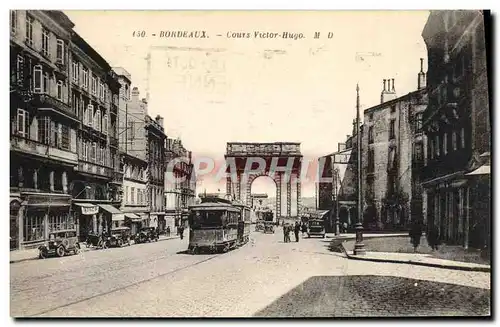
(308,235)
(42,254)
(120,243)
(105,245)
(77,248)
(60,251)
(324,235)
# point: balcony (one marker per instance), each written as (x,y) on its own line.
(94,169)
(23,145)
(113,141)
(117,177)
(45,101)
(263,149)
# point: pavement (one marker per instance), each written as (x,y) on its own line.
(264,278)
(422,259)
(32,254)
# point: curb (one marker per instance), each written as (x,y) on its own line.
(36,257)
(364,237)
(417,263)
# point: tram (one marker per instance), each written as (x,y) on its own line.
(218,225)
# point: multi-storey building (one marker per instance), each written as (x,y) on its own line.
(180,183)
(392,152)
(133,158)
(155,156)
(456,173)
(96,186)
(43,141)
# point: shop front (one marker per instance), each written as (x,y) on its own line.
(41,214)
(134,222)
(111,217)
(86,216)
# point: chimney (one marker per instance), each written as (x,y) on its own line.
(422,77)
(390,92)
(159,120)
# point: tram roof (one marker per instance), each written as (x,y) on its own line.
(213,206)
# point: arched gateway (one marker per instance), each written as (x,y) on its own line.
(281,161)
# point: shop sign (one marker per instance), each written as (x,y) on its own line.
(91,210)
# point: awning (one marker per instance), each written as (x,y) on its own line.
(115,213)
(132,216)
(483,170)
(88,209)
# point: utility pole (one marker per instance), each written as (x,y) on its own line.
(359,247)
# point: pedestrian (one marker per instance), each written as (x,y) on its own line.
(304,228)
(284,233)
(168,231)
(344,225)
(181,231)
(297,231)
(288,231)
(415,234)
(433,237)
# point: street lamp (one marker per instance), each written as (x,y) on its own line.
(359,247)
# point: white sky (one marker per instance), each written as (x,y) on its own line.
(305,94)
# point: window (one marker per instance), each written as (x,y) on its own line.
(56,138)
(462,138)
(431,148)
(13,21)
(37,79)
(393,108)
(94,85)
(85,151)
(45,41)
(76,72)
(371,162)
(60,51)
(97,120)
(44,130)
(370,117)
(20,69)
(392,131)
(98,155)
(445,143)
(34,227)
(132,195)
(437,145)
(101,91)
(418,123)
(105,124)
(29,30)
(23,123)
(106,94)
(93,151)
(46,83)
(60,90)
(454,141)
(90,114)
(65,137)
(85,78)
(370,135)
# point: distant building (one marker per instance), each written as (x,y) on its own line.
(180,183)
(456,172)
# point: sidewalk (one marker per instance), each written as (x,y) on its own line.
(31,254)
(352,236)
(421,259)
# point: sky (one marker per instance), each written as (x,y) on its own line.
(223,89)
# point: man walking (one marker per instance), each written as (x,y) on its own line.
(297,231)
(181,231)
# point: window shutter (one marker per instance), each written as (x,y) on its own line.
(59,134)
(90,113)
(37,79)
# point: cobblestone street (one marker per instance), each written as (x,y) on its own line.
(264,278)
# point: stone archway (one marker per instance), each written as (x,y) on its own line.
(282,162)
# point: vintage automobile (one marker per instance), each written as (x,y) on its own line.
(259,226)
(146,234)
(316,227)
(119,236)
(269,227)
(60,243)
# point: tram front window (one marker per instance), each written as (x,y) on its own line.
(207,219)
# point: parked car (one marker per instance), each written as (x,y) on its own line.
(268,227)
(119,236)
(146,234)
(60,243)
(316,227)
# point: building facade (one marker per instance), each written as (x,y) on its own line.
(155,156)
(456,123)
(43,133)
(180,183)
(392,152)
(97,181)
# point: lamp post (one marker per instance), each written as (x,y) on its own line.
(359,247)
(337,217)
